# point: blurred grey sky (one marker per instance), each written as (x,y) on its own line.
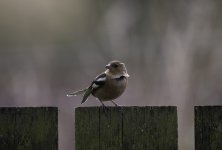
(172,49)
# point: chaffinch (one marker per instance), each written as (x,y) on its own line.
(108,85)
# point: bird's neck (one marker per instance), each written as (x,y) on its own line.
(116,75)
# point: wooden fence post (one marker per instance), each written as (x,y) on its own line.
(126,128)
(208,127)
(29,128)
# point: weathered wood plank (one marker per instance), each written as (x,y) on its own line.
(87,128)
(123,128)
(150,128)
(208,127)
(29,128)
(111,129)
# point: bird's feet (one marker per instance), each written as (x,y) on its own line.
(116,105)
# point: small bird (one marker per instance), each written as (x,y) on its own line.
(108,85)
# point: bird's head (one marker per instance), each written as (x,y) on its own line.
(116,69)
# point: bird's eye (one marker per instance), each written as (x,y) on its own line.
(115,65)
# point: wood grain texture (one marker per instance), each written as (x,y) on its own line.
(208,127)
(126,128)
(29,128)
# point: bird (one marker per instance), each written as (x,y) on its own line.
(108,85)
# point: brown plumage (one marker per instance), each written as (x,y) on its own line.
(108,85)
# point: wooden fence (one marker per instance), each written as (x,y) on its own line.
(208,128)
(121,128)
(126,128)
(29,128)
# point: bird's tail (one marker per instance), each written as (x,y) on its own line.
(86,91)
(87,94)
(77,92)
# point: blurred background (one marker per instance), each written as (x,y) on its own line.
(172,49)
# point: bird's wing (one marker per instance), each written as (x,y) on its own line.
(99,81)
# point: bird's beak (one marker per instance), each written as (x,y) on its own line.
(108,66)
